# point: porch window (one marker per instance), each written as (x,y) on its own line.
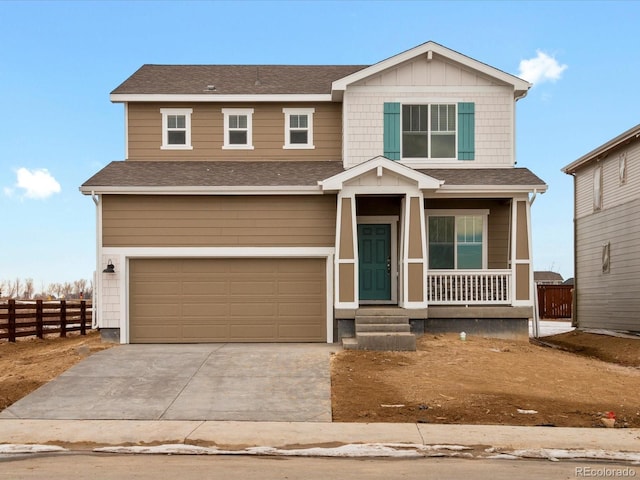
(456,242)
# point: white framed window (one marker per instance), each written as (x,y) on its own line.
(176,128)
(597,188)
(457,240)
(429,131)
(298,128)
(238,128)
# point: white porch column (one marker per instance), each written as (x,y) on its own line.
(413,253)
(346,266)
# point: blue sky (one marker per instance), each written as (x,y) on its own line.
(60,60)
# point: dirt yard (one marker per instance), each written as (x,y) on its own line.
(479,381)
(488,381)
(29,363)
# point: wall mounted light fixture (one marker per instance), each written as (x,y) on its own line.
(110,268)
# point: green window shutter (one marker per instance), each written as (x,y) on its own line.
(466,131)
(392,131)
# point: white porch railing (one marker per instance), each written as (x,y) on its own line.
(469,287)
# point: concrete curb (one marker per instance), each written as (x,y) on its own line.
(88,434)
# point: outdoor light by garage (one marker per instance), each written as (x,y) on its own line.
(110,268)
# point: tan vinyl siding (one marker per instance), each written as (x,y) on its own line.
(498,227)
(182,221)
(207,133)
(522,232)
(346,272)
(227,300)
(346,230)
(415,229)
(522,282)
(416,282)
(609,300)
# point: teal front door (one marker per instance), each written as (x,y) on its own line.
(374,261)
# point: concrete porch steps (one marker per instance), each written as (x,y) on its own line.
(385,328)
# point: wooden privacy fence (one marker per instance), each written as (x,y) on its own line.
(39,318)
(555,301)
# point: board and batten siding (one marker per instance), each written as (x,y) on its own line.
(609,300)
(199,221)
(613,192)
(207,133)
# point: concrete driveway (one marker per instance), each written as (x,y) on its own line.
(253,382)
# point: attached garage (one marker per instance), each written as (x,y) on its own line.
(196,300)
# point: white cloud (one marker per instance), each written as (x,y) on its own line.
(541,68)
(36,183)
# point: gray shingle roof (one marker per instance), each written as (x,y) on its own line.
(484,176)
(235,79)
(213,174)
(274,173)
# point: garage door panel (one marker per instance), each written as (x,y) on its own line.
(247,288)
(205,287)
(227,300)
(258,309)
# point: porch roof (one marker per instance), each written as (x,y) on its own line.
(184,177)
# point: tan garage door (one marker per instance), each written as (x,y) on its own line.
(227,300)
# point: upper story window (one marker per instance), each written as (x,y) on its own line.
(176,128)
(423,132)
(238,128)
(458,240)
(597,188)
(429,131)
(622,168)
(298,131)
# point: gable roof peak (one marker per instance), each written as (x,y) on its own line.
(429,48)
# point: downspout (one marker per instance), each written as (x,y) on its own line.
(97,278)
(574,296)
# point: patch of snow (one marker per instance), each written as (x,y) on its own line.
(397,450)
(24,448)
(527,412)
(555,454)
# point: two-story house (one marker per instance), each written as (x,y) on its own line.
(607,234)
(296,203)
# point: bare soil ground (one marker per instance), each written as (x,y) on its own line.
(479,381)
(490,381)
(30,363)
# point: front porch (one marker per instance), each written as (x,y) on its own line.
(438,258)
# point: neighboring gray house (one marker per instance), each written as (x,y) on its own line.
(607,234)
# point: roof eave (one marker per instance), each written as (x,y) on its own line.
(484,189)
(213,98)
(201,190)
(603,150)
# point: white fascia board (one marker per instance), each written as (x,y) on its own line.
(490,189)
(226,190)
(337,181)
(519,85)
(213,98)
